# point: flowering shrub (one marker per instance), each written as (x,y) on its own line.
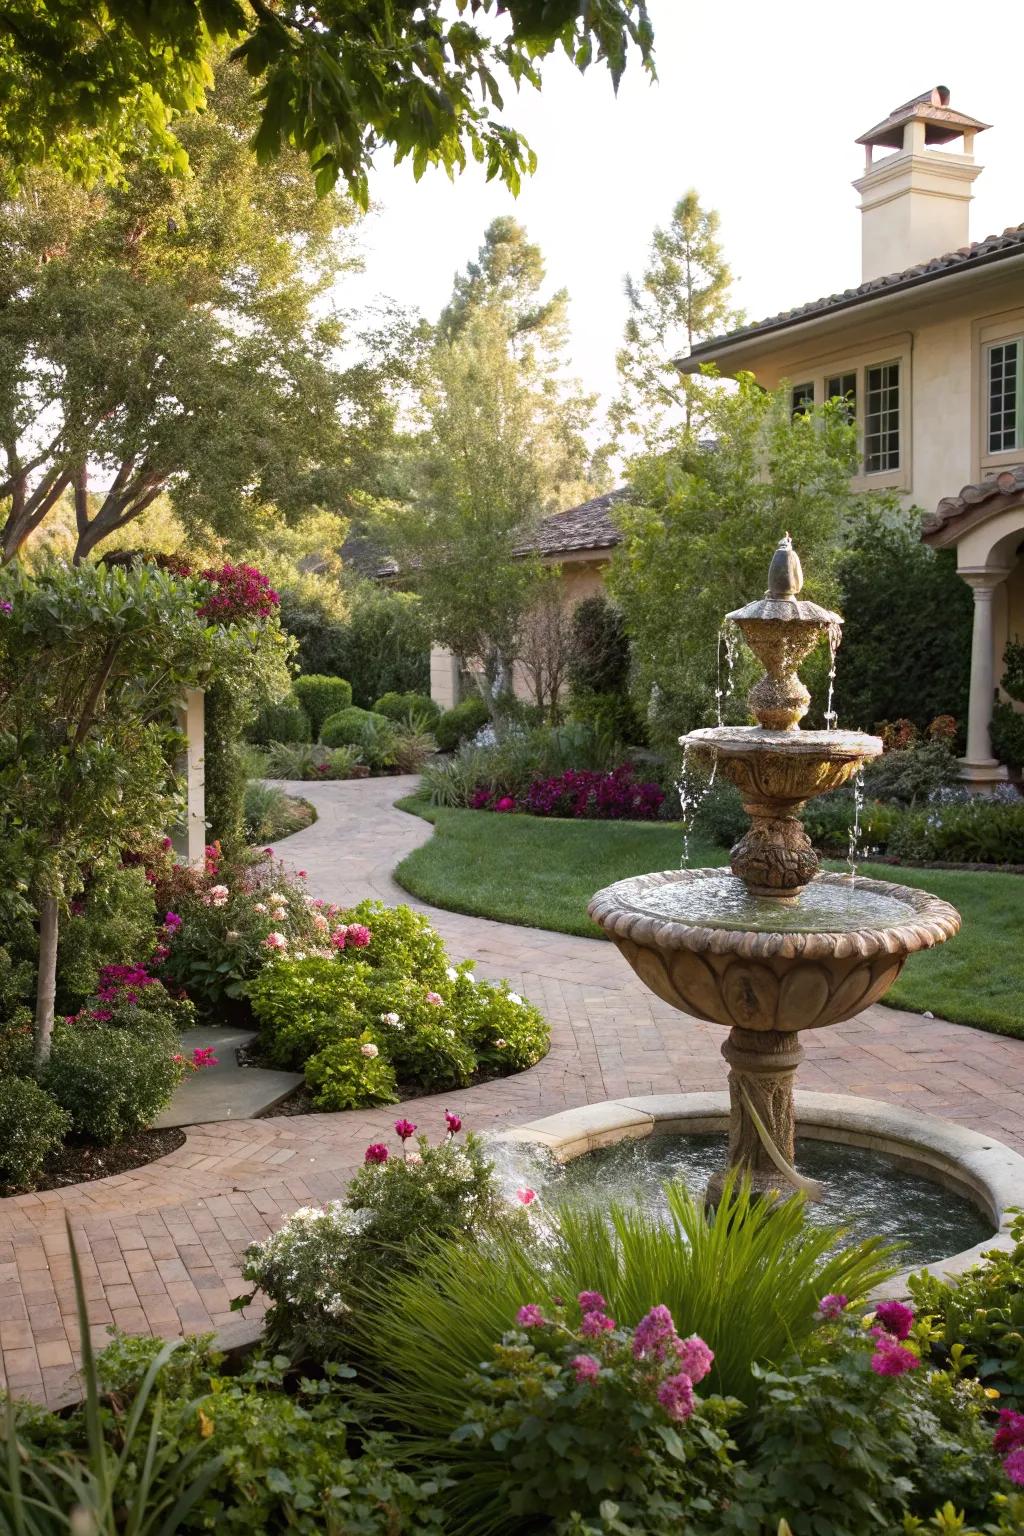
(238,594)
(323,1266)
(615,796)
(391,985)
(111,1081)
(565,1416)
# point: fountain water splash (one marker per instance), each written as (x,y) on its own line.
(728,639)
(835,634)
(853,852)
(691,798)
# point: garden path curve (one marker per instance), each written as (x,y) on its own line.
(160,1246)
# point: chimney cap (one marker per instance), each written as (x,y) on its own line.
(942,122)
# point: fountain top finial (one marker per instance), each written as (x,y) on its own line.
(785,574)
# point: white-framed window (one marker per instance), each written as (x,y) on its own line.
(1004,396)
(801,398)
(881,417)
(843,387)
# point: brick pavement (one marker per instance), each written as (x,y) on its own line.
(160,1246)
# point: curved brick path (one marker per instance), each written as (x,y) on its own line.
(160,1246)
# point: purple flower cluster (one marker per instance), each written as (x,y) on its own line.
(1009,1443)
(581,793)
(241,593)
(893,1324)
(123,983)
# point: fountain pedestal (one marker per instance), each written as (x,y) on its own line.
(762,1065)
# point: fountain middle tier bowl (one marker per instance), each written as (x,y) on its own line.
(786,767)
(703,943)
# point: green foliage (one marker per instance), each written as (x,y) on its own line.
(1013,676)
(224,767)
(984,1313)
(303,760)
(912,774)
(1007,735)
(326,1268)
(828,822)
(320,696)
(301,1006)
(906,647)
(110,924)
(111,1081)
(270,813)
(407,748)
(977,831)
(285,721)
(513,762)
(684,297)
(88,98)
(345,728)
(461,722)
(721,818)
(409,709)
(599,666)
(386,643)
(345,1076)
(32,1125)
(698,533)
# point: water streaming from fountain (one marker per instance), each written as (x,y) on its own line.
(728,638)
(835,634)
(691,798)
(853,851)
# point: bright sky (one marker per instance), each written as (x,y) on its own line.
(757,105)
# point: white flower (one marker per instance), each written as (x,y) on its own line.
(392,1019)
(369,1049)
(259,906)
(298,954)
(277,898)
(469,977)
(513,997)
(500,1044)
(452,973)
(218,895)
(279,914)
(413,1158)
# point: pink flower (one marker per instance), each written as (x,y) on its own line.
(695,1357)
(591,1301)
(676,1396)
(339,937)
(404,1129)
(359,935)
(892,1358)
(101,1015)
(1013,1466)
(202,1056)
(275,941)
(435,998)
(217,895)
(506,803)
(655,1334)
(895,1318)
(172,921)
(166,844)
(833,1304)
(530,1316)
(586,1368)
(596,1323)
(377,1152)
(453,1122)
(1010,1434)
(526,1196)
(303,875)
(369,1050)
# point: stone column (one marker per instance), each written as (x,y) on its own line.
(983,678)
(190,837)
(444,677)
(762,1064)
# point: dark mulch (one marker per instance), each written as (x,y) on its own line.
(79,1164)
(299,1102)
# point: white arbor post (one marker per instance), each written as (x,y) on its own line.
(978,761)
(190,836)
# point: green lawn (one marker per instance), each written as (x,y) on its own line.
(540,872)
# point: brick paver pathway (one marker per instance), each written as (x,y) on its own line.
(160,1246)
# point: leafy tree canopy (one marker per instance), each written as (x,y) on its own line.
(85,84)
(172,335)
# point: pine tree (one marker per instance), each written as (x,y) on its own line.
(683,297)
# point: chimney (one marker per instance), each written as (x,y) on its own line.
(915,203)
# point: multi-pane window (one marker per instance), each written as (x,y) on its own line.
(881,418)
(801,398)
(1005,396)
(843,386)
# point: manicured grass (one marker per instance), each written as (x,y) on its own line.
(542,872)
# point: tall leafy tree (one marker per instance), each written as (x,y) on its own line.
(85,83)
(684,296)
(508,278)
(700,528)
(171,335)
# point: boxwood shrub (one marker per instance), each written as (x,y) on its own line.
(409,708)
(345,727)
(321,697)
(286,721)
(32,1126)
(111,1082)
(459,724)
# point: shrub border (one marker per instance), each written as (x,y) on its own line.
(984,1170)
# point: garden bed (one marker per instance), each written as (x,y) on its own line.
(82,1162)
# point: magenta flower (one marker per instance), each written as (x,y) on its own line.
(404,1129)
(202,1056)
(359,935)
(339,938)
(591,1301)
(676,1396)
(530,1316)
(892,1358)
(895,1318)
(586,1368)
(302,874)
(596,1323)
(655,1334)
(453,1122)
(172,921)
(1010,1434)
(6,607)
(1013,1466)
(506,803)
(376,1152)
(833,1304)
(526,1196)
(695,1358)
(101,1015)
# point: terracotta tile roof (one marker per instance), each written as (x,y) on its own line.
(975,503)
(589,526)
(969,257)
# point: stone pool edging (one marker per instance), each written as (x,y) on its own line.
(983,1169)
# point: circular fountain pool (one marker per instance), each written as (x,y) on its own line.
(868,1192)
(723,901)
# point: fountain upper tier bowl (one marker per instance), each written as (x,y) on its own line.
(783,768)
(704,943)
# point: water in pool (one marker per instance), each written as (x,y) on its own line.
(867,1191)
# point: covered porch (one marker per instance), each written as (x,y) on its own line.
(985,525)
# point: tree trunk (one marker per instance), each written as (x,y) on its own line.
(46,986)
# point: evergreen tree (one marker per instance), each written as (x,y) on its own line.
(683,297)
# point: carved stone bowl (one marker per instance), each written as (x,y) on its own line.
(782,769)
(767,980)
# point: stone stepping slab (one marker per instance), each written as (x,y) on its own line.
(226,1091)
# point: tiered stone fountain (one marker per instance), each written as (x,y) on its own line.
(776,946)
